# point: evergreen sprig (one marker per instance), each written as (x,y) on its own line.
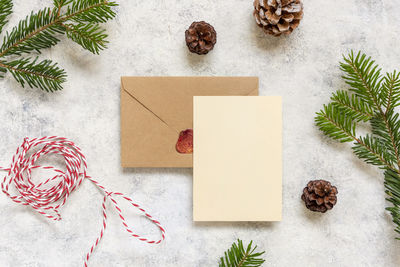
(238,256)
(90,11)
(44,74)
(37,31)
(80,20)
(5,11)
(90,36)
(372,98)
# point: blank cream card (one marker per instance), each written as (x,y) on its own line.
(237,160)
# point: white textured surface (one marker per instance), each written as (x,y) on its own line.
(147,38)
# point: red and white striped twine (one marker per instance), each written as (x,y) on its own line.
(47,201)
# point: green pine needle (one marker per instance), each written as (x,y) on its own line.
(79,19)
(24,38)
(91,36)
(61,3)
(392,189)
(238,256)
(373,151)
(336,124)
(3,71)
(45,75)
(5,11)
(372,99)
(352,105)
(363,76)
(92,11)
(390,93)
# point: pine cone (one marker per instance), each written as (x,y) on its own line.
(200,37)
(278,17)
(319,195)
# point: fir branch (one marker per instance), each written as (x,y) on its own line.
(92,11)
(80,21)
(91,36)
(336,124)
(238,256)
(5,11)
(377,96)
(392,189)
(373,151)
(363,76)
(3,70)
(45,75)
(34,33)
(390,93)
(341,126)
(352,105)
(38,30)
(387,127)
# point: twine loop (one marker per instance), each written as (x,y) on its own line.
(49,196)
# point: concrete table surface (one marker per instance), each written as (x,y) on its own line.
(147,38)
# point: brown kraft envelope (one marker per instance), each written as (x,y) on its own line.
(154,110)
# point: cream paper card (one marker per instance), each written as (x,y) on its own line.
(237,160)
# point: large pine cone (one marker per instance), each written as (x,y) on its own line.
(200,37)
(278,17)
(319,195)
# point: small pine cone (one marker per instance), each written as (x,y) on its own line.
(200,37)
(319,195)
(278,17)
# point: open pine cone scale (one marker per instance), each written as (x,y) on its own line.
(200,37)
(278,17)
(319,195)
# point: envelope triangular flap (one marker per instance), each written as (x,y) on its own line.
(145,140)
(171,98)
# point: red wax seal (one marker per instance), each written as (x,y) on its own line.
(185,142)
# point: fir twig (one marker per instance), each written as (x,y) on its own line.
(373,100)
(80,20)
(359,110)
(91,36)
(238,256)
(45,75)
(390,93)
(392,189)
(92,11)
(34,33)
(5,11)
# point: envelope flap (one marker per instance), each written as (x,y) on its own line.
(171,98)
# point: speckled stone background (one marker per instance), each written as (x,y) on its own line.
(147,38)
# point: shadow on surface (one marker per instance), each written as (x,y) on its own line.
(238,225)
(150,171)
